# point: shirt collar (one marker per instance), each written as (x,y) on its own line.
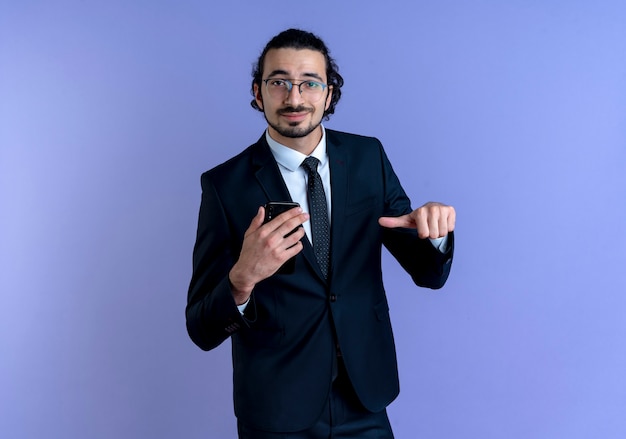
(292,159)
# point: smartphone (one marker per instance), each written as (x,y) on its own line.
(275,208)
(272,210)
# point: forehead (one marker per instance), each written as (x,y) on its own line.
(294,63)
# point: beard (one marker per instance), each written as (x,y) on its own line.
(294,130)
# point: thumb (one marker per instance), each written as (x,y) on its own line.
(259,217)
(257,221)
(393,222)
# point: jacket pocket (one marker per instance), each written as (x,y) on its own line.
(260,337)
(360,206)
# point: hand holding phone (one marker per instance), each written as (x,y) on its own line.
(272,210)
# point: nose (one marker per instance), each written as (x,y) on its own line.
(294,97)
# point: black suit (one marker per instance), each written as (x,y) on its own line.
(284,346)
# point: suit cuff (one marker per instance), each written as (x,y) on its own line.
(440,244)
(243,306)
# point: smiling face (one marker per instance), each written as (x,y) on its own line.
(293,119)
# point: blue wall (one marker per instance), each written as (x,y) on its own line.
(514,112)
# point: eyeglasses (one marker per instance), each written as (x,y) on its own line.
(280,88)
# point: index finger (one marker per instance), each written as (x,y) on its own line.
(287,222)
(393,222)
(280,217)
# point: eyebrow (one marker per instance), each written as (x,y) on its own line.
(283,72)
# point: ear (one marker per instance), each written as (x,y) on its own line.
(258,97)
(329,97)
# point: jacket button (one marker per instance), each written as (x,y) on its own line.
(333,298)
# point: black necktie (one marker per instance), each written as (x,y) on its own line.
(318,209)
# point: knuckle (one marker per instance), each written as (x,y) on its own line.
(270,241)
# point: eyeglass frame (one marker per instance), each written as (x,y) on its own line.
(292,84)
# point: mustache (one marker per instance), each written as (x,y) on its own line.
(299,109)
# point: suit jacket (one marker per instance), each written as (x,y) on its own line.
(284,346)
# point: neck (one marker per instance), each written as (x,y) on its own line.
(304,145)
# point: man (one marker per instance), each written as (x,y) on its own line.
(313,350)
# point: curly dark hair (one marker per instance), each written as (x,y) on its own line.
(299,39)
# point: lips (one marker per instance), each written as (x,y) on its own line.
(294,117)
(301,109)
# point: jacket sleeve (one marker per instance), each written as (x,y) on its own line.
(211,312)
(427,266)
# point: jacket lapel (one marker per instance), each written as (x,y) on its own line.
(267,172)
(339,192)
